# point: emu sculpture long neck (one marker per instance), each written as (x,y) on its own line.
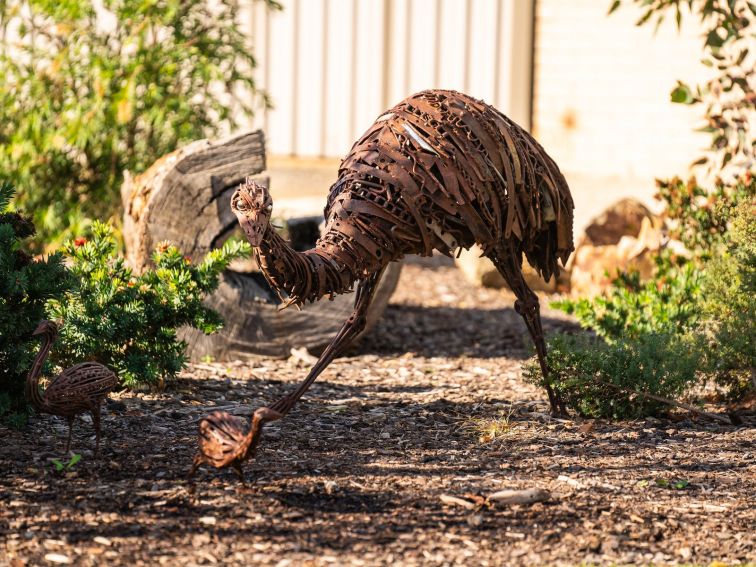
(305,276)
(33,395)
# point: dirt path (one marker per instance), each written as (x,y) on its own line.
(431,404)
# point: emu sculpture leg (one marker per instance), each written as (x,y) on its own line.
(352,327)
(195,465)
(239,472)
(510,267)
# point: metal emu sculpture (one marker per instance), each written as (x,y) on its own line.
(76,390)
(439,171)
(225,441)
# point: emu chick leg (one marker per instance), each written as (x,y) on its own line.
(96,422)
(70,431)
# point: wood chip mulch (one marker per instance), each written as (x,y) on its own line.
(388,460)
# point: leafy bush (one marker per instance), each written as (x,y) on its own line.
(129,322)
(698,307)
(631,309)
(694,319)
(600,379)
(26,285)
(729,306)
(90,89)
(670,302)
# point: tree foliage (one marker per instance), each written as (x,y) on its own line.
(93,88)
(26,285)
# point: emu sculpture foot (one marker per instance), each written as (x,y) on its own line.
(558,407)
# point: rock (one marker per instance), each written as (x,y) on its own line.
(454,501)
(57,558)
(623,218)
(615,242)
(527,496)
(479,270)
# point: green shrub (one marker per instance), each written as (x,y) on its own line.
(129,322)
(631,309)
(26,285)
(697,312)
(600,379)
(90,89)
(728,306)
(670,301)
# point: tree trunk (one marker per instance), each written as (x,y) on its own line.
(184,198)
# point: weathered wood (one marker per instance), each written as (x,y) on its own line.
(184,198)
(254,326)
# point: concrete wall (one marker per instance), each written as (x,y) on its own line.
(601,99)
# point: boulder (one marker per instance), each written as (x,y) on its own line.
(623,218)
(624,237)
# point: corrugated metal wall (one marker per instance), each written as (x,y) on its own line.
(332,66)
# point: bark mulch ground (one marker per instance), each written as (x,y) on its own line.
(430,404)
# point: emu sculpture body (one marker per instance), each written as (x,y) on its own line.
(439,171)
(76,390)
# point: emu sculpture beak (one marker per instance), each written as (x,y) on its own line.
(266,414)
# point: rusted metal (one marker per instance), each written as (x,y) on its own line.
(439,171)
(81,388)
(226,440)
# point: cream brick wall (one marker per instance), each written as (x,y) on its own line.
(601,99)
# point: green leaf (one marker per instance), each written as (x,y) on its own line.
(616,4)
(682,94)
(644,18)
(713,39)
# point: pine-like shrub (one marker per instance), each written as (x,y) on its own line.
(26,284)
(129,322)
(728,306)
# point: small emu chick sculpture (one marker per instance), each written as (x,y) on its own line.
(223,441)
(439,171)
(76,390)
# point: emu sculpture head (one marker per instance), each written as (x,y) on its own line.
(252,205)
(46,327)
